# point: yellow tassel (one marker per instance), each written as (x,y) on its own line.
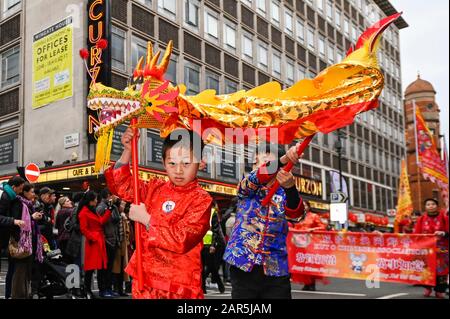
(104,146)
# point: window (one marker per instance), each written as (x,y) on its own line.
(275,12)
(212,81)
(171,74)
(262,56)
(10,6)
(147,3)
(192,78)
(290,72)
(247,46)
(301,72)
(276,64)
(320,5)
(288,22)
(138,50)
(191,13)
(10,67)
(300,26)
(354,33)
(169,7)
(340,56)
(230,86)
(322,47)
(211,25)
(118,48)
(346,27)
(230,35)
(311,42)
(330,54)
(261,5)
(248,2)
(329,11)
(338,18)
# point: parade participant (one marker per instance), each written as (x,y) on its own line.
(311,223)
(407,224)
(91,226)
(257,249)
(176,215)
(435,222)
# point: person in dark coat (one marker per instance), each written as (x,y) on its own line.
(65,210)
(47,198)
(91,226)
(8,198)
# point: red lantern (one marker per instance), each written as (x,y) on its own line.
(102,44)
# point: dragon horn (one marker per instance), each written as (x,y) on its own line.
(166,58)
(138,67)
(154,60)
(149,53)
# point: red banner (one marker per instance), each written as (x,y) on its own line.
(400,258)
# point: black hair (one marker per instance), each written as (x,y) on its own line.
(431,199)
(417,213)
(184,138)
(16,181)
(87,197)
(27,187)
(105,193)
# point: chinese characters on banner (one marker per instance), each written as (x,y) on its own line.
(400,258)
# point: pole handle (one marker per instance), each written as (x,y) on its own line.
(137,201)
(287,168)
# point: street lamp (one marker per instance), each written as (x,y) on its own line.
(339,146)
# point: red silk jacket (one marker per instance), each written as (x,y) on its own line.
(172,246)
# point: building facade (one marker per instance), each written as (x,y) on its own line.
(224,45)
(421,93)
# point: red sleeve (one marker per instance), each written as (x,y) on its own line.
(295,213)
(120,183)
(104,219)
(263,176)
(183,236)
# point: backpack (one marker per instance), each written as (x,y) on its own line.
(71,222)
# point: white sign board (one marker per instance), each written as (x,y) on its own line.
(71,140)
(339,212)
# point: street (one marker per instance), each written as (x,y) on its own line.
(336,289)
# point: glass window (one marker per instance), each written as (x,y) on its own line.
(147,3)
(290,72)
(276,64)
(311,42)
(300,26)
(211,25)
(118,48)
(171,74)
(319,5)
(288,22)
(340,56)
(329,11)
(338,18)
(262,56)
(10,6)
(261,5)
(230,35)
(10,67)
(247,46)
(168,7)
(212,81)
(322,47)
(346,27)
(192,78)
(230,86)
(301,72)
(330,54)
(138,50)
(191,12)
(275,12)
(248,2)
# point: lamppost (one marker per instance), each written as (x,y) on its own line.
(339,146)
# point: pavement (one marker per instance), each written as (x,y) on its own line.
(335,289)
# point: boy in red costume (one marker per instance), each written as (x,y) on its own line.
(176,214)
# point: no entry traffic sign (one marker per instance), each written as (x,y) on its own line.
(32,172)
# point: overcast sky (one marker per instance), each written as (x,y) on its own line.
(425,48)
